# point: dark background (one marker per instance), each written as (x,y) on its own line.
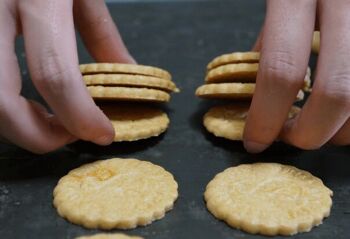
(182,37)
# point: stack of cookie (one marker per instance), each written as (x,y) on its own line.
(117,87)
(232,77)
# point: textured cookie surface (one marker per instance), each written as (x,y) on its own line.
(241,91)
(233,72)
(268,198)
(109,236)
(133,122)
(228,121)
(115,193)
(127,93)
(235,57)
(130,80)
(96,68)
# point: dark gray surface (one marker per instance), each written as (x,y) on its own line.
(181,37)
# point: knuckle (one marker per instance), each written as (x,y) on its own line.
(52,75)
(280,68)
(336,90)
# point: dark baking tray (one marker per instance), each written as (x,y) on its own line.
(180,36)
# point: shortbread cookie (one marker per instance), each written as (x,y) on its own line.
(233,72)
(235,57)
(130,80)
(97,68)
(242,91)
(133,122)
(115,193)
(242,72)
(128,94)
(268,198)
(316,42)
(228,121)
(109,236)
(226,91)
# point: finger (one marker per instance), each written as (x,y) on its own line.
(21,122)
(282,68)
(53,63)
(327,109)
(32,129)
(99,32)
(342,137)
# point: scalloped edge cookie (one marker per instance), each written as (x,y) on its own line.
(97,68)
(115,193)
(268,199)
(127,94)
(130,80)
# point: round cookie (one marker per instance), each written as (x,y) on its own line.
(115,193)
(268,198)
(130,80)
(245,72)
(235,57)
(98,68)
(127,94)
(240,91)
(135,122)
(226,91)
(228,121)
(109,236)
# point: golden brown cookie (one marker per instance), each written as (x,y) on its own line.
(228,121)
(233,58)
(244,72)
(133,122)
(98,68)
(268,198)
(226,91)
(127,94)
(239,91)
(115,193)
(130,80)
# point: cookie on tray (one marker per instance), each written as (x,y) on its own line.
(115,193)
(268,198)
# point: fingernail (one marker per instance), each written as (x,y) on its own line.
(254,147)
(103,140)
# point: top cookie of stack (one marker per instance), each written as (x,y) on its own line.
(126,82)
(233,76)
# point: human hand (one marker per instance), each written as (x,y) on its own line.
(50,44)
(285,44)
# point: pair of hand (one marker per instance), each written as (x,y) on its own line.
(50,44)
(285,43)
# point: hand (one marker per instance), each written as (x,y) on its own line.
(285,44)
(50,44)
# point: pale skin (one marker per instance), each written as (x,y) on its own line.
(285,43)
(50,44)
